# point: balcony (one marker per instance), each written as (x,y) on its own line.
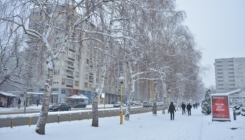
(70,77)
(70,68)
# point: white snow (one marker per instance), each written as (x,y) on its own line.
(140,127)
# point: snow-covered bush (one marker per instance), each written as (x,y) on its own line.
(206,103)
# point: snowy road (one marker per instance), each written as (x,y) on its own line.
(140,127)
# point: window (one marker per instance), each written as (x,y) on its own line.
(69,72)
(220,84)
(76,83)
(231,69)
(78,57)
(219,62)
(67,82)
(220,76)
(77,74)
(87,61)
(85,84)
(220,80)
(220,73)
(232,84)
(231,72)
(86,76)
(231,80)
(55,82)
(219,65)
(77,66)
(219,70)
(230,65)
(221,88)
(63,81)
(55,89)
(231,76)
(70,63)
(71,54)
(56,72)
(86,69)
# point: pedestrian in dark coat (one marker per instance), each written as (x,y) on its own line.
(37,102)
(189,109)
(183,108)
(19,102)
(171,110)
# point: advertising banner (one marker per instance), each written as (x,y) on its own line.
(220,108)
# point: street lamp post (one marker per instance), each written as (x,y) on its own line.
(121,79)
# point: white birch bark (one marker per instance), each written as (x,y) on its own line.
(40,127)
(132,90)
(154,108)
(97,93)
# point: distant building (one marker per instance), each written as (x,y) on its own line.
(229,74)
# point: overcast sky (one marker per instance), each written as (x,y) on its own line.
(218,27)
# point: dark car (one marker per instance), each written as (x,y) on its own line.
(80,105)
(60,107)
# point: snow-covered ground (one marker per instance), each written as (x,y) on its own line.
(140,127)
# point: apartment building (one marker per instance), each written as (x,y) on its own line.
(229,74)
(77,69)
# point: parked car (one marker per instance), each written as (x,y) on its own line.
(135,103)
(159,103)
(80,105)
(60,107)
(242,111)
(147,104)
(237,109)
(117,104)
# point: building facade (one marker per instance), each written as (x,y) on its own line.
(77,70)
(229,74)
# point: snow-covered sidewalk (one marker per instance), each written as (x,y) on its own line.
(140,127)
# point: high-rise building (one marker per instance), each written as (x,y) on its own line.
(77,70)
(229,74)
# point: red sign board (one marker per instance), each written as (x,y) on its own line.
(73,92)
(220,107)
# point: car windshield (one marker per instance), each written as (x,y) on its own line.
(56,104)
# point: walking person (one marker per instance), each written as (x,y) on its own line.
(37,102)
(189,109)
(171,110)
(183,108)
(19,102)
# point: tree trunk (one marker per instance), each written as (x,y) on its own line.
(154,109)
(95,121)
(132,81)
(127,113)
(41,122)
